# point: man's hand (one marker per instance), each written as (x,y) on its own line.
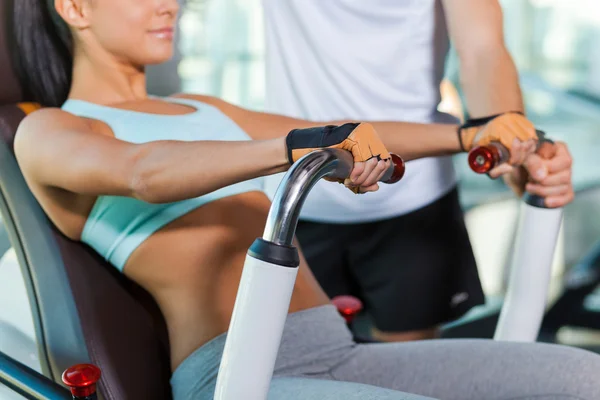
(546,173)
(490,82)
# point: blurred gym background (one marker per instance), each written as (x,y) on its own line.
(556,45)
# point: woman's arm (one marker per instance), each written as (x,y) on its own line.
(412,141)
(57,149)
(409,140)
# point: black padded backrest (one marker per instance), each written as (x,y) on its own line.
(54,313)
(83,309)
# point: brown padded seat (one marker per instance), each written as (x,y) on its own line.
(83,309)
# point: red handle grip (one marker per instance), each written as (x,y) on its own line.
(483,159)
(82,378)
(399,168)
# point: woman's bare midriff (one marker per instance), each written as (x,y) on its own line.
(193,266)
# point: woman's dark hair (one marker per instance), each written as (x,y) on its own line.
(42,51)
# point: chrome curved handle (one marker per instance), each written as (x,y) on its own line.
(295,186)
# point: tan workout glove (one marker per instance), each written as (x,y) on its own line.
(360,139)
(503,128)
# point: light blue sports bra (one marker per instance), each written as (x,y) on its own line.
(117,225)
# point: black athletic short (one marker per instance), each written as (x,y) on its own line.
(412,272)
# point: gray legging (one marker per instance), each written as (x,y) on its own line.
(319,361)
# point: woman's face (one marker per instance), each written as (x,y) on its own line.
(136,31)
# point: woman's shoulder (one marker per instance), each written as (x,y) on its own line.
(45,119)
(47,123)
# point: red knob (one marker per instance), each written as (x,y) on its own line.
(483,158)
(399,169)
(347,306)
(82,378)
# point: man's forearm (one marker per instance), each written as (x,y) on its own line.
(491,83)
(487,72)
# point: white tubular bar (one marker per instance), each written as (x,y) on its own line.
(531,268)
(255,330)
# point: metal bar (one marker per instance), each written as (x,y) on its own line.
(258,320)
(293,190)
(28,382)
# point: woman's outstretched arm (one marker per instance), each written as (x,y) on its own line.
(409,140)
(56,149)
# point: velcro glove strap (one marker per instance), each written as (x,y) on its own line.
(360,139)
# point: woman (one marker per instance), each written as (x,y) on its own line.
(168,191)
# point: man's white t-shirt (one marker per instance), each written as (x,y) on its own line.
(369,60)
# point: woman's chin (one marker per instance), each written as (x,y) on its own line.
(159,58)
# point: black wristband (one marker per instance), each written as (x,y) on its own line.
(471,122)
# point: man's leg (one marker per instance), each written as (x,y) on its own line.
(416,271)
(324,248)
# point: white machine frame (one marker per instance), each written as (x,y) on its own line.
(271,267)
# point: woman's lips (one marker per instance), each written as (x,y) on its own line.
(163,33)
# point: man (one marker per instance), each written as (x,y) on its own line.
(403,250)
